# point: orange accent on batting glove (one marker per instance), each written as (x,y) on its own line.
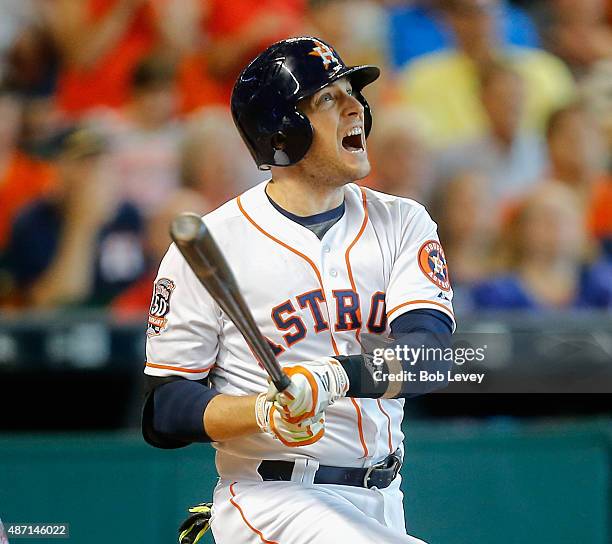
(315,385)
(292,435)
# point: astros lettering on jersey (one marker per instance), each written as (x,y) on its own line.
(310,298)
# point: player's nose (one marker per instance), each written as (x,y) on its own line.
(353,107)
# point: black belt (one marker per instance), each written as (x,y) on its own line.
(379,475)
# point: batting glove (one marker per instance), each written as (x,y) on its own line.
(315,385)
(270,420)
(194,527)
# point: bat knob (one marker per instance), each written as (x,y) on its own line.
(186,227)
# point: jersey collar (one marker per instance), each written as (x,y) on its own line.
(256,207)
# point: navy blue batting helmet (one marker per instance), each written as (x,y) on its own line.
(265,96)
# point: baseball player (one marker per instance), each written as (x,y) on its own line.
(324,265)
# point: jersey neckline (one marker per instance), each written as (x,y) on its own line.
(306,221)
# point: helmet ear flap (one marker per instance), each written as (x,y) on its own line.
(289,144)
(281,137)
(367,113)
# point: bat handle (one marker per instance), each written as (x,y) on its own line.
(281,382)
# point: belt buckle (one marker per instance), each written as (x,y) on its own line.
(366,477)
(397,465)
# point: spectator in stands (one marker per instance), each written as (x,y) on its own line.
(103,40)
(401,160)
(510,156)
(240,29)
(416,28)
(467,227)
(596,93)
(79,245)
(230,34)
(215,161)
(361,37)
(544,254)
(32,71)
(600,214)
(579,33)
(135,301)
(576,150)
(577,155)
(32,63)
(17,15)
(22,177)
(145,136)
(443,86)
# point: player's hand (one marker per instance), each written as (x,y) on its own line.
(270,421)
(315,385)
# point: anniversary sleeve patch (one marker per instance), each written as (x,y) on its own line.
(432,263)
(160,306)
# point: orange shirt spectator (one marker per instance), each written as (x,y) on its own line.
(197,88)
(241,29)
(600,212)
(229,18)
(24,180)
(106,80)
(236,32)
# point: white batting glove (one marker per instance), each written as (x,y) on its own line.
(315,385)
(270,420)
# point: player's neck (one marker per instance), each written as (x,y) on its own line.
(302,198)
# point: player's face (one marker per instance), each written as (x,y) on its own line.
(338,152)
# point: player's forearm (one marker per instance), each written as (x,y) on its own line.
(191,411)
(228,417)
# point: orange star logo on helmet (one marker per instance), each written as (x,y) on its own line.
(325,53)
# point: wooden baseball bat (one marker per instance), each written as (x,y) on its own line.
(201,252)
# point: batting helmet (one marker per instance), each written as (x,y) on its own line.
(265,96)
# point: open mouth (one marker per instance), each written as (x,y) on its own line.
(353,140)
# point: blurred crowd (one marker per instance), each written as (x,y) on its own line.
(496,115)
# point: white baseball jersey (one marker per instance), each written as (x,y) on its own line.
(310,298)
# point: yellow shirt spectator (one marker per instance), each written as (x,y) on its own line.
(444,87)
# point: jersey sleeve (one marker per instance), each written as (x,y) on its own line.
(419,274)
(184,323)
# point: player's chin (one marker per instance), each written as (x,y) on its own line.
(356,163)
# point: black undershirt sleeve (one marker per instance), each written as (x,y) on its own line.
(423,329)
(173,411)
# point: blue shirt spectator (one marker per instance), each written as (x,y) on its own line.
(594,290)
(416,30)
(118,257)
(82,243)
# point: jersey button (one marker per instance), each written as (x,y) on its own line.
(326,249)
(333,273)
